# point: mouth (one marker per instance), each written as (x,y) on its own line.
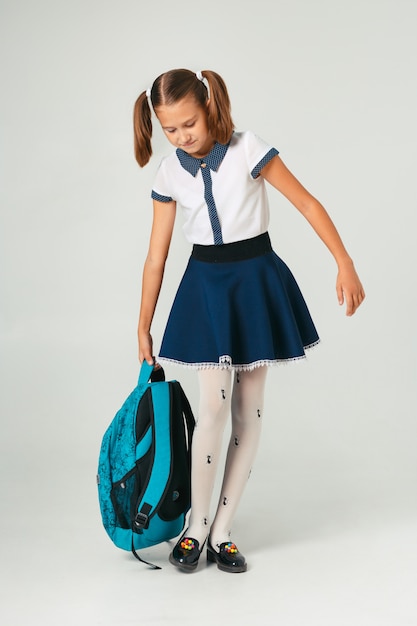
(188,145)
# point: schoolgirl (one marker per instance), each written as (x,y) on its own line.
(238,308)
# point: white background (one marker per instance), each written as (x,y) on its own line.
(328,522)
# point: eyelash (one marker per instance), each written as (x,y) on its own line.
(172,130)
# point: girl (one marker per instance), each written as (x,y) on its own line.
(238,308)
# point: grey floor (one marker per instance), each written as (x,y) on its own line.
(314,559)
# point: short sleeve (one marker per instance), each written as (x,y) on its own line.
(157,196)
(258,153)
(161,188)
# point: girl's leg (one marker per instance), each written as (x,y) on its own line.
(215,391)
(247,407)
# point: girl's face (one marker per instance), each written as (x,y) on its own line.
(185,126)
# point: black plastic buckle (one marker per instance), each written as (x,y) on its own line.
(140,522)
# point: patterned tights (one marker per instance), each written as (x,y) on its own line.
(217,400)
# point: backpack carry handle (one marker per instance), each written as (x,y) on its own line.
(150,373)
(145,373)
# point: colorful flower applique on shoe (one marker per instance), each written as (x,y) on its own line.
(186,553)
(228,559)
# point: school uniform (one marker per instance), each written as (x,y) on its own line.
(238,306)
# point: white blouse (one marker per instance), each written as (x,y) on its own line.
(222,196)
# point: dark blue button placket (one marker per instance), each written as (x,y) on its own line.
(211,205)
(211,162)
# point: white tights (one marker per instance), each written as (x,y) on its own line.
(217,400)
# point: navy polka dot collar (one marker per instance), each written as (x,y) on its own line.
(213,159)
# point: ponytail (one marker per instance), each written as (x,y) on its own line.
(220,121)
(142,127)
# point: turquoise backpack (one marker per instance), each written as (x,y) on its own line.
(145,464)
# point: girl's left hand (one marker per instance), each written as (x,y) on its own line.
(349,288)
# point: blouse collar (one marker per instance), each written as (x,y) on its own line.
(213,158)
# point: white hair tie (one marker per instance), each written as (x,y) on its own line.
(205,82)
(148,92)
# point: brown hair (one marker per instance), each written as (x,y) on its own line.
(173,86)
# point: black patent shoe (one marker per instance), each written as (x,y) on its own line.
(228,558)
(186,553)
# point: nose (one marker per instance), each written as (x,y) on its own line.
(185,136)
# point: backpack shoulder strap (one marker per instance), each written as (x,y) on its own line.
(161,455)
(136,555)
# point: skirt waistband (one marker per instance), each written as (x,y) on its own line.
(235,251)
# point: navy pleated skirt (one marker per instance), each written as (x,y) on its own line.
(238,306)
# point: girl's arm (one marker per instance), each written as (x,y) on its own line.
(348,285)
(153,272)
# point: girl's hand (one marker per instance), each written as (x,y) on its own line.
(145,347)
(349,288)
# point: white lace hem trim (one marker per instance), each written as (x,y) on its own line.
(225,362)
